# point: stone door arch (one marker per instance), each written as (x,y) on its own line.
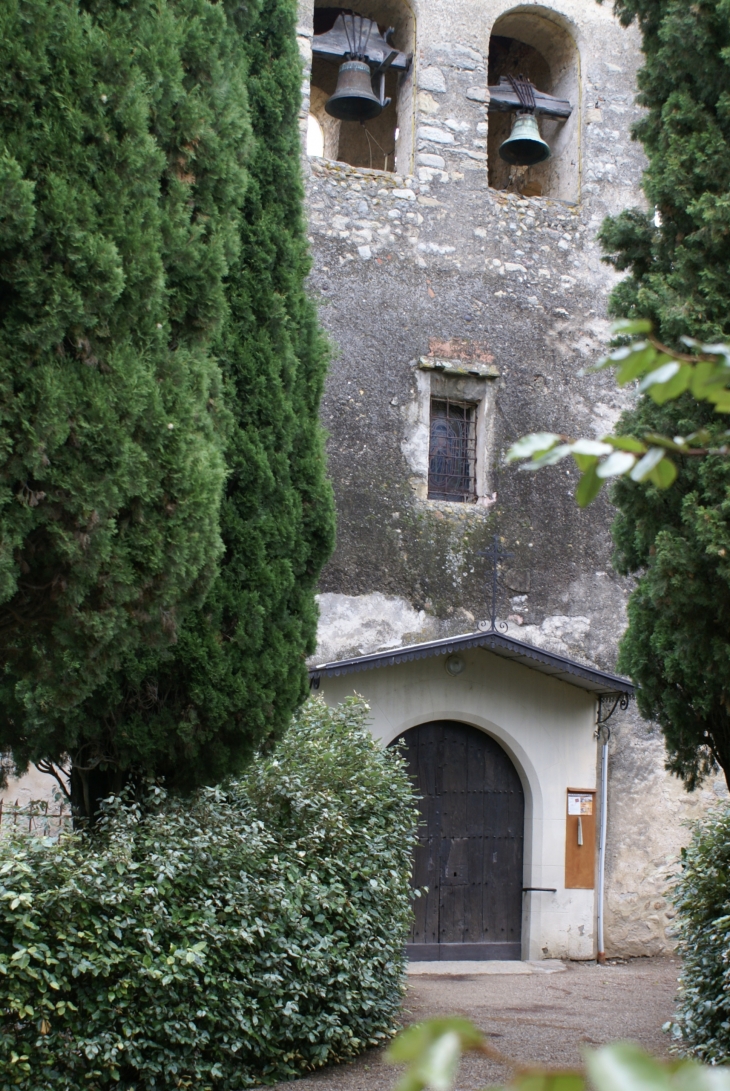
(470,847)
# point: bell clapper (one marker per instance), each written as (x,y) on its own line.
(371,137)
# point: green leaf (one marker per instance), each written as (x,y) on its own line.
(645,466)
(625,351)
(623,1066)
(664,473)
(584,462)
(719,348)
(635,364)
(620,355)
(590,447)
(701,438)
(626,443)
(665,392)
(537,1080)
(706,375)
(660,374)
(557,454)
(411,1044)
(620,462)
(627,327)
(676,444)
(626,1067)
(441,1062)
(530,445)
(433,1050)
(721,400)
(589,487)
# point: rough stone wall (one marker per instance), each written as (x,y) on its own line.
(649,820)
(433,256)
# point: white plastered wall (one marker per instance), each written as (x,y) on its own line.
(545,725)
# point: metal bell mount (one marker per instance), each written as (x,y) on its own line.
(524,147)
(354,98)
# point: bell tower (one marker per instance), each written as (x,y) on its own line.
(457,271)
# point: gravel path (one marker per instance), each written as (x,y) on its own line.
(536,1018)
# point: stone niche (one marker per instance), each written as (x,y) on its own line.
(539,45)
(386,142)
(460,380)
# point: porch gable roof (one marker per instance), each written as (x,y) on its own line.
(529,655)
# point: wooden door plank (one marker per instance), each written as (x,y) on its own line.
(470,844)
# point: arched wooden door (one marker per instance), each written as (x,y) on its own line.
(469,852)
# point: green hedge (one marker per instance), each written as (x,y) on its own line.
(245,936)
(702,898)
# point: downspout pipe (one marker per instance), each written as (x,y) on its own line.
(604,734)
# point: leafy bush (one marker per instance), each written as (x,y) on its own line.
(702,898)
(245,936)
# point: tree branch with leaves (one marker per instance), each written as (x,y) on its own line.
(664,375)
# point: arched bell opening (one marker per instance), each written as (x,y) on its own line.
(470,844)
(315,136)
(383,142)
(535,45)
(329,126)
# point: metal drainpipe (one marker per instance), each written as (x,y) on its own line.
(605,735)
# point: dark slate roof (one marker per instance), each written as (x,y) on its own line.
(556,666)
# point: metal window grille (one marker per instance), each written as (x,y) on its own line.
(452,454)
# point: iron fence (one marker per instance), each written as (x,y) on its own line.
(39,817)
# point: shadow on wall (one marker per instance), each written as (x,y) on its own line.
(385,142)
(536,45)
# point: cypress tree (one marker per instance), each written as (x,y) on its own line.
(678,252)
(119,217)
(196,712)
(194,709)
(677,646)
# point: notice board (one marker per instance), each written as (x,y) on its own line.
(580,839)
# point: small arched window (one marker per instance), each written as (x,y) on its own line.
(315,137)
(542,49)
(386,141)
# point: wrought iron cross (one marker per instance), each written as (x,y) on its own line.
(495,554)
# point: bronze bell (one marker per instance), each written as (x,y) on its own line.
(354,99)
(524,147)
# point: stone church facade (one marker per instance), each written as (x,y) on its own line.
(447,278)
(452,283)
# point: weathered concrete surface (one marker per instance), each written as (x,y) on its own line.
(649,820)
(532,1020)
(512,288)
(479,969)
(352,625)
(33,786)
